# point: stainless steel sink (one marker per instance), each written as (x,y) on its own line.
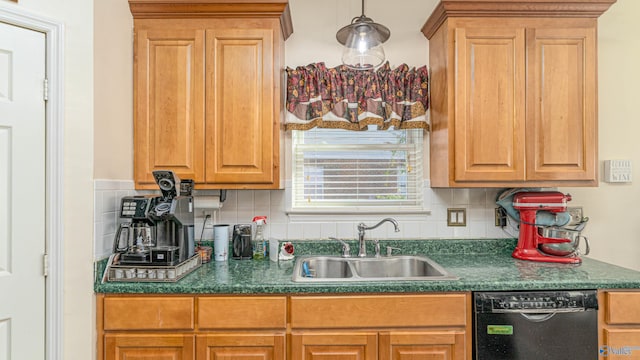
(324,267)
(338,269)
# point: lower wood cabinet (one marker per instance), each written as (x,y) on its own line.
(338,345)
(240,346)
(313,327)
(403,327)
(121,346)
(426,344)
(619,319)
(384,345)
(179,327)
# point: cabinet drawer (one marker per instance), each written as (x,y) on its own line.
(148,313)
(242,312)
(622,307)
(379,311)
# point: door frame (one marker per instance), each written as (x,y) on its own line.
(54,120)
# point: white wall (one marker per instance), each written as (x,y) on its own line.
(315,25)
(113,93)
(79,312)
(614,219)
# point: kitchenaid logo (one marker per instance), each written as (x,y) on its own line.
(623,350)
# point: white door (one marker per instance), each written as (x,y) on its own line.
(22,193)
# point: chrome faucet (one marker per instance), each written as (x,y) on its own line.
(362,251)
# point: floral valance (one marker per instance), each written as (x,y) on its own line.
(343,98)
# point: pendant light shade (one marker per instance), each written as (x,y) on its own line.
(362,40)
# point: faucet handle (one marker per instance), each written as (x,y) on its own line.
(376,244)
(346,249)
(390,250)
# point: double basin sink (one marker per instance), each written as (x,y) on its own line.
(338,269)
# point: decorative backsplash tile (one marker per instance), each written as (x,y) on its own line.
(242,205)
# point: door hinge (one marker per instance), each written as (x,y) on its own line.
(45,265)
(45,89)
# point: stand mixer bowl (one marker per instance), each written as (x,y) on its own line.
(566,248)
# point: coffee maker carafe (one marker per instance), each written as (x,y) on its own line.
(135,239)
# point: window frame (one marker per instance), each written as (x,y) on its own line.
(356,212)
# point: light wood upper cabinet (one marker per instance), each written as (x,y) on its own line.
(513,93)
(489,104)
(169,103)
(240,125)
(207,91)
(561,104)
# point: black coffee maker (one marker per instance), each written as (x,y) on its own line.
(161,228)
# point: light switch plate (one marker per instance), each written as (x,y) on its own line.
(456,217)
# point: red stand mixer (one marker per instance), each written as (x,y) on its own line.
(531,243)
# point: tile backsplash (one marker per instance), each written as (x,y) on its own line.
(106,203)
(241,206)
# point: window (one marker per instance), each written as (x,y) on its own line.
(357,171)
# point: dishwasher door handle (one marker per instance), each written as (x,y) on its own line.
(540,317)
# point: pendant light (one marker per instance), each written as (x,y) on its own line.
(362,40)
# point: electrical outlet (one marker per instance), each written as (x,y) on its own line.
(457,217)
(208,219)
(500,217)
(576,214)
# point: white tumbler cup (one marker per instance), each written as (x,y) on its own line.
(220,242)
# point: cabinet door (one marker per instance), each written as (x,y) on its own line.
(240,118)
(489,119)
(241,346)
(433,345)
(151,346)
(169,104)
(334,345)
(561,119)
(620,344)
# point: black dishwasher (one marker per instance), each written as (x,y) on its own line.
(536,325)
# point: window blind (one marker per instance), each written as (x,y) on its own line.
(367,169)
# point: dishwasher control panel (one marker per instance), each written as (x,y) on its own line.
(539,301)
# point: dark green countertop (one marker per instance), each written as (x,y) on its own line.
(481,265)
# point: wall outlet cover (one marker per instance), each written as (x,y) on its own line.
(456,217)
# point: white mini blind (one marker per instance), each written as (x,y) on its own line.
(360,170)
